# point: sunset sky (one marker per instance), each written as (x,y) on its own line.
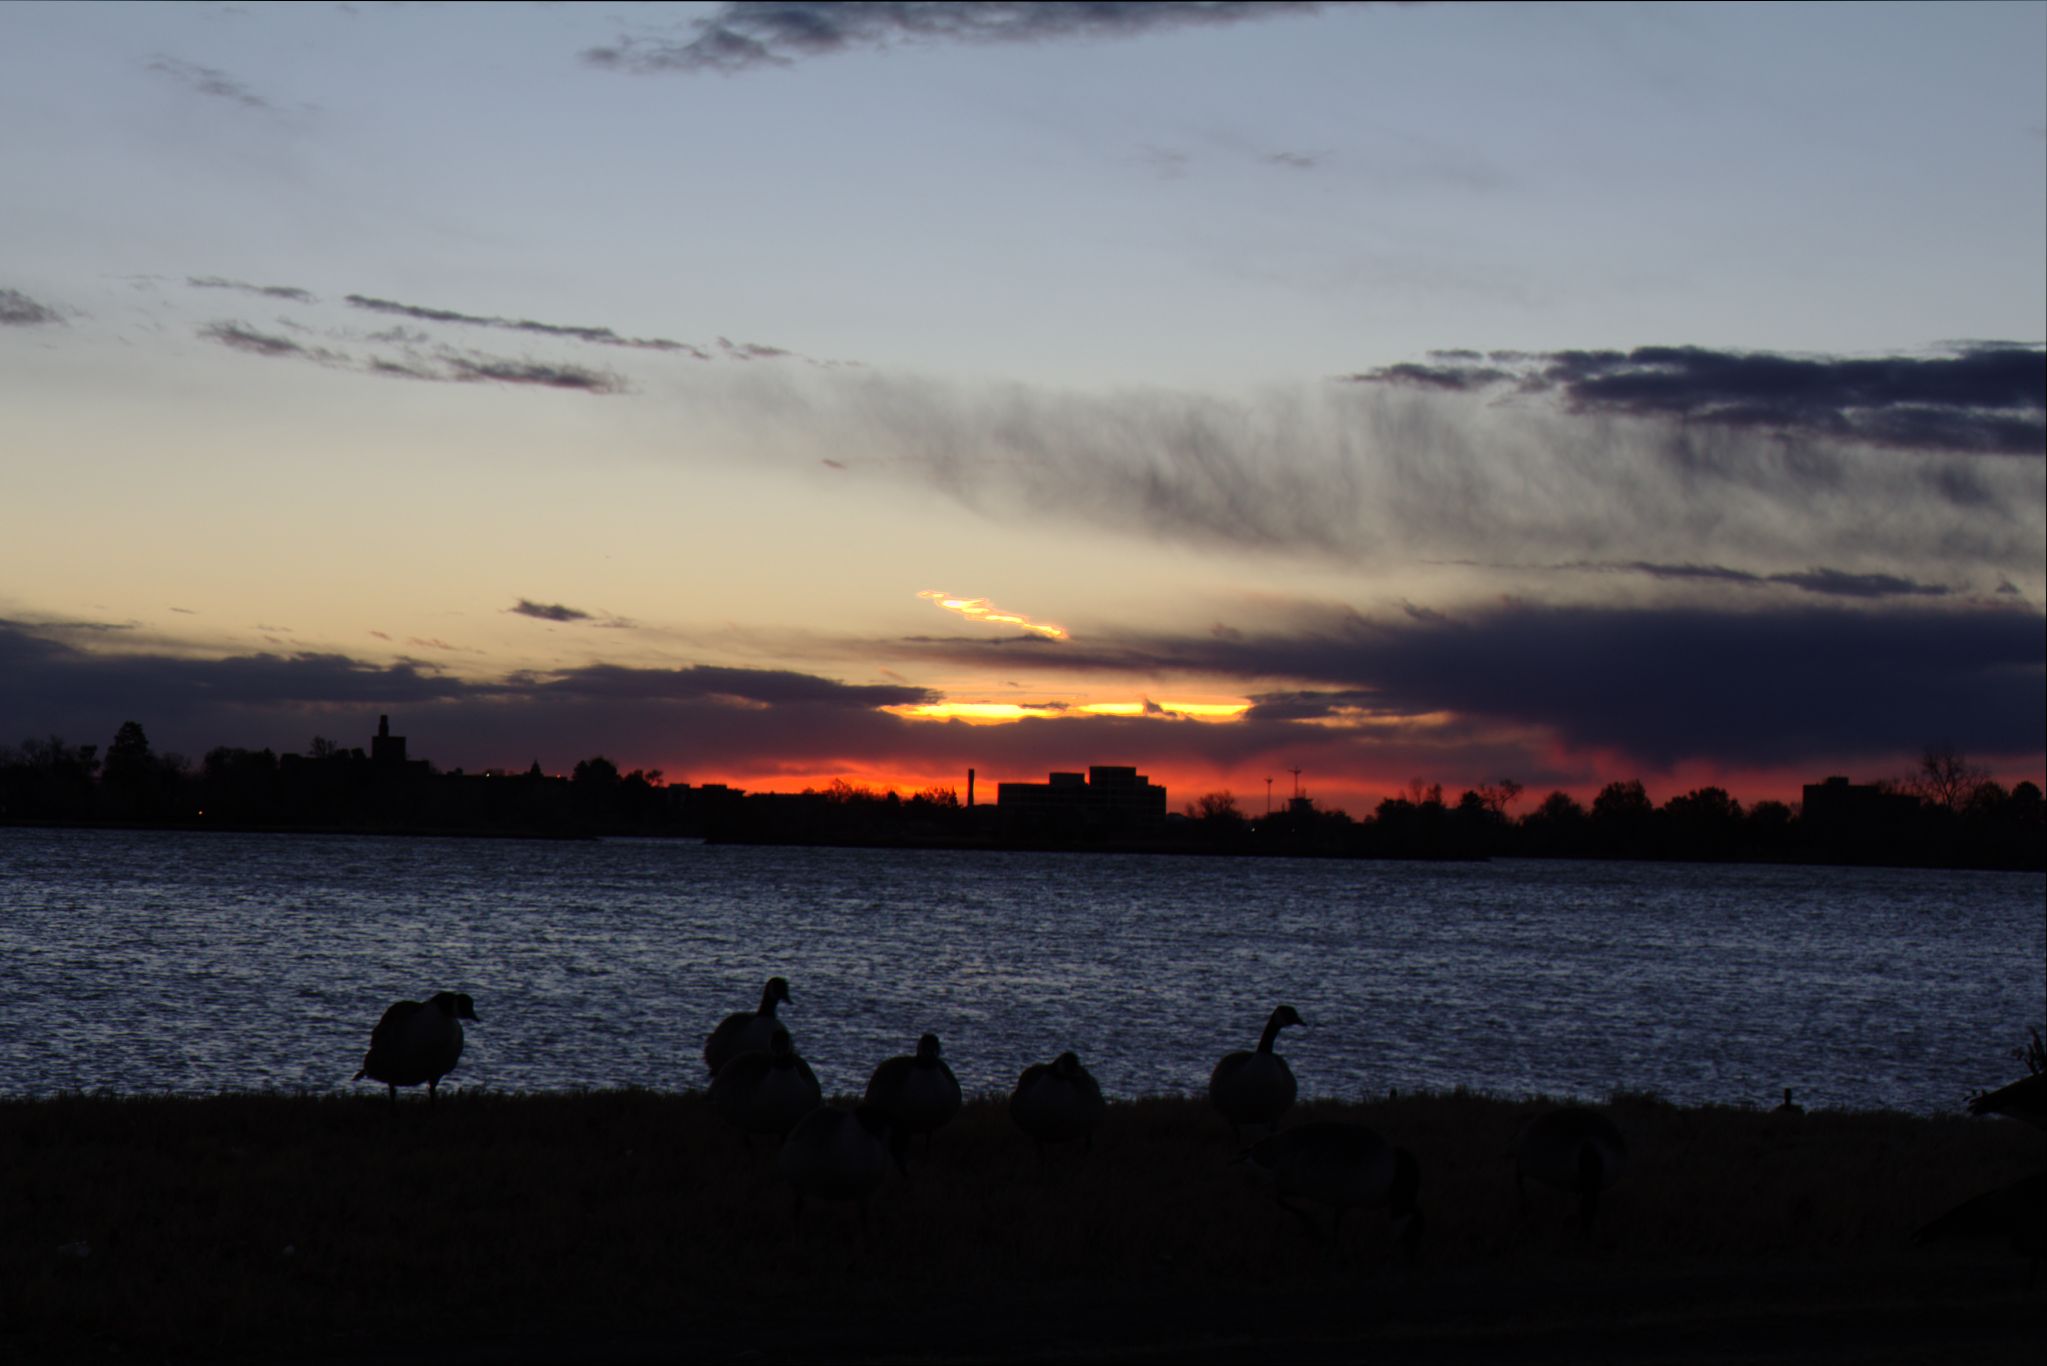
(778,393)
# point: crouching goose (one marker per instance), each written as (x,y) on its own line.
(1057,1101)
(418,1042)
(1572,1149)
(1345,1167)
(919,1095)
(2024,1099)
(746,1031)
(766,1093)
(836,1154)
(1256,1086)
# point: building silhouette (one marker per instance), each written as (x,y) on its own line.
(1108,803)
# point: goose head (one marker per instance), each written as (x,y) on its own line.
(456,1005)
(927,1050)
(777,989)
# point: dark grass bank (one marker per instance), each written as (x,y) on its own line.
(627,1226)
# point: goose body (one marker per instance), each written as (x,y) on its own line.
(1344,1167)
(2024,1099)
(918,1094)
(1255,1086)
(418,1042)
(835,1154)
(746,1031)
(1057,1102)
(1573,1149)
(766,1093)
(2013,1215)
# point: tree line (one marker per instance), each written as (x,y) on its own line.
(1947,812)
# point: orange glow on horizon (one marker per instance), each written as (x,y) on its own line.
(1003,713)
(980,609)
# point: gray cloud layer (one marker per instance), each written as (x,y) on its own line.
(752,33)
(1989,398)
(1383,474)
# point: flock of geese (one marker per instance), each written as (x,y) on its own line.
(763,1087)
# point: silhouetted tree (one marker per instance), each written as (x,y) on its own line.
(595,772)
(1704,823)
(1500,795)
(1623,821)
(1944,777)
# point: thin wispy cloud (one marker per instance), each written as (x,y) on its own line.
(754,33)
(206,80)
(1388,473)
(18,310)
(1836,583)
(290,293)
(443,365)
(1990,397)
(596,336)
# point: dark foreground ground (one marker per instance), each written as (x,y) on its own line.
(631,1226)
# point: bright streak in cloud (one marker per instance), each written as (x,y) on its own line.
(1000,713)
(980,609)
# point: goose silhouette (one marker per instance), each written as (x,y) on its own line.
(1057,1102)
(835,1154)
(2025,1099)
(766,1093)
(1344,1167)
(919,1095)
(2013,1215)
(1573,1149)
(1255,1086)
(418,1042)
(746,1031)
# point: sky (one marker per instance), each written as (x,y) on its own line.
(779,393)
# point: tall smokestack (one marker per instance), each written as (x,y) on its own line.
(970,789)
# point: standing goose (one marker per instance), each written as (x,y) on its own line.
(746,1031)
(919,1095)
(766,1093)
(1255,1087)
(836,1154)
(1057,1101)
(1346,1167)
(418,1042)
(1573,1149)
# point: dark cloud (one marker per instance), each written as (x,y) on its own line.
(1299,161)
(476,369)
(1837,583)
(596,336)
(750,350)
(740,36)
(701,682)
(208,81)
(549,611)
(1989,397)
(289,292)
(1660,685)
(18,310)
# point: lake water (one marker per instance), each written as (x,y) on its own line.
(164,962)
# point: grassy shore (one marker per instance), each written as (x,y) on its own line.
(633,1226)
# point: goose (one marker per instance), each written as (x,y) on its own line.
(418,1041)
(1346,1167)
(836,1154)
(746,1031)
(1255,1087)
(1057,1101)
(2015,1214)
(766,1093)
(1573,1149)
(919,1095)
(1789,1107)
(2024,1099)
